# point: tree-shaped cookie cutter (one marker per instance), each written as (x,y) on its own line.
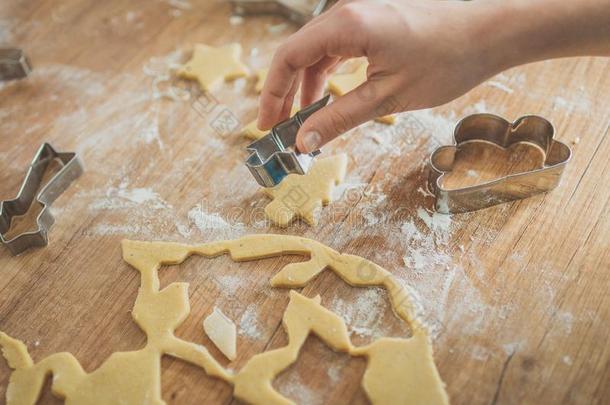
(298,11)
(488,128)
(274,156)
(71,168)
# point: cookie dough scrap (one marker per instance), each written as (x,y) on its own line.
(222,332)
(261,76)
(340,84)
(302,196)
(211,66)
(399,370)
(251,130)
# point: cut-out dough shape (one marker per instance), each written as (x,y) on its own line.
(211,66)
(302,196)
(251,130)
(222,332)
(399,370)
(261,76)
(342,83)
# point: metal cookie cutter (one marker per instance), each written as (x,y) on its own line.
(274,156)
(71,169)
(531,129)
(299,11)
(13,64)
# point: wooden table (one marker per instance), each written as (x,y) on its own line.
(516,296)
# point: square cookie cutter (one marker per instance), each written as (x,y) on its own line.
(14,64)
(488,128)
(298,11)
(71,169)
(274,156)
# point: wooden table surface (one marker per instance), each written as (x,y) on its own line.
(516,296)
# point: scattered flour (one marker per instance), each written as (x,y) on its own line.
(206,222)
(229,283)
(511,348)
(480,353)
(435,221)
(249,324)
(236,20)
(578,101)
(161,70)
(334,373)
(435,280)
(122,197)
(566,320)
(364,317)
(296,389)
(183,5)
(480,107)
(499,85)
(351,188)
(6,31)
(119,229)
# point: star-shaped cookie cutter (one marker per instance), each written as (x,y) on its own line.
(298,11)
(274,156)
(71,169)
(531,129)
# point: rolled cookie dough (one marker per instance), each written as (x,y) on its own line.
(399,370)
(302,196)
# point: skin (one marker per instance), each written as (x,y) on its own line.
(421,54)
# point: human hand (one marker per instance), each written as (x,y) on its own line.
(419,54)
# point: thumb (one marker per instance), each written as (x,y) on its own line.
(352,109)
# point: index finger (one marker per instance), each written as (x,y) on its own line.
(304,48)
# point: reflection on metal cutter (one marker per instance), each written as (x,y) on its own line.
(299,11)
(489,128)
(274,156)
(71,169)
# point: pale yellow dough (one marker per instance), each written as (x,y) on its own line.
(211,66)
(399,370)
(222,332)
(302,196)
(251,130)
(261,76)
(341,84)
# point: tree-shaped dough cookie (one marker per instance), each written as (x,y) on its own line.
(302,196)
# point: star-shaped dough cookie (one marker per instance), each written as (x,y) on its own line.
(211,66)
(302,196)
(251,130)
(340,84)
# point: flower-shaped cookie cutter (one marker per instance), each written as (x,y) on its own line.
(488,128)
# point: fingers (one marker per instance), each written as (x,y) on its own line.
(297,53)
(289,101)
(354,108)
(314,79)
(304,49)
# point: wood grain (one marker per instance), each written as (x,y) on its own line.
(516,296)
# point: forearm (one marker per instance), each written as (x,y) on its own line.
(515,32)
